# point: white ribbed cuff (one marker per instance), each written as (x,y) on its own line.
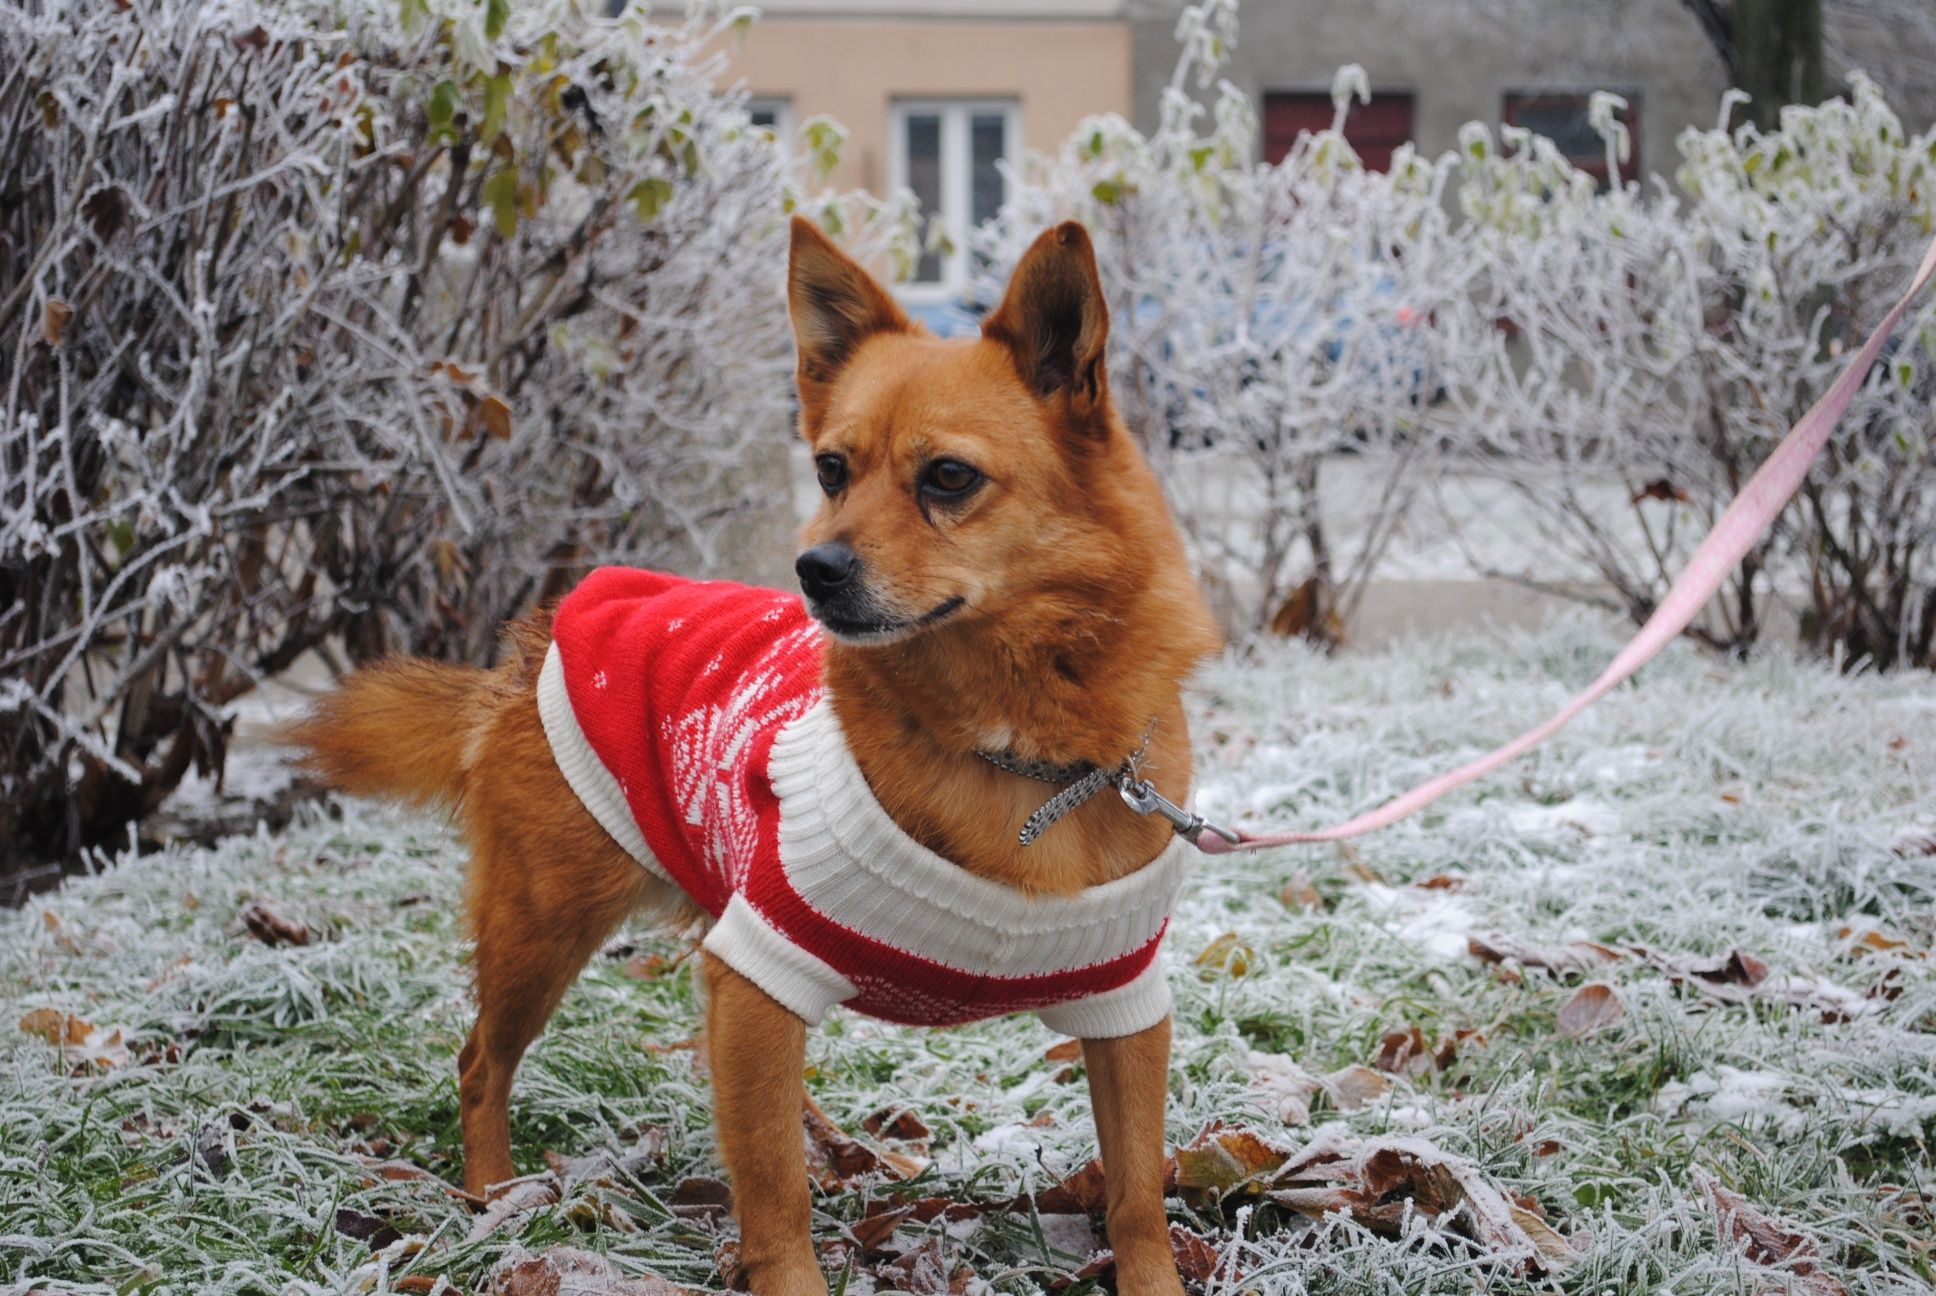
(801,983)
(1123,1011)
(584,772)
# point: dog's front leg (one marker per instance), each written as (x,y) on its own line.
(1129,1082)
(757,1050)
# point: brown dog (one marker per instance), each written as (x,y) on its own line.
(996,569)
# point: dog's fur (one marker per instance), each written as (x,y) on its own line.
(1048,609)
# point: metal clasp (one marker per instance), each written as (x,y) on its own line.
(1142,797)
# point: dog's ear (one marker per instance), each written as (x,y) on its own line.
(835,306)
(1053,320)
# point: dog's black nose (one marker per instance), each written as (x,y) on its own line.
(825,568)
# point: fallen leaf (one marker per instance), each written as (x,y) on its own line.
(1380,1181)
(1079,1194)
(1404,1052)
(1593,1007)
(56,1027)
(1355,1087)
(1226,955)
(567,1271)
(1298,893)
(1223,1162)
(1286,1083)
(701,1197)
(837,1160)
(377,1232)
(1442,882)
(872,1230)
(899,1123)
(520,1198)
(271,928)
(1868,939)
(256,38)
(1766,1242)
(1066,1051)
(1579,958)
(53,320)
(1196,1264)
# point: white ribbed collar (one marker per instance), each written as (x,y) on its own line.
(850,860)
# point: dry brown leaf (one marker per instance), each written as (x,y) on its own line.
(1298,893)
(1443,882)
(1867,940)
(1593,1007)
(1221,1162)
(898,1123)
(701,1197)
(1767,1242)
(567,1271)
(874,1229)
(414,1283)
(520,1198)
(1196,1264)
(271,928)
(56,1027)
(53,320)
(837,1160)
(1379,1181)
(1355,1087)
(1226,955)
(1580,958)
(1404,1052)
(494,413)
(1079,1194)
(1067,1051)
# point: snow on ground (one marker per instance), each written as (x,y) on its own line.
(208,1110)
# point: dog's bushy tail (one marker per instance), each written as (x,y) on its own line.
(399,729)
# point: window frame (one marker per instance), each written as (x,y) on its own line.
(781,106)
(1512,102)
(957,180)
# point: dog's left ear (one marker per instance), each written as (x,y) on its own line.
(1053,320)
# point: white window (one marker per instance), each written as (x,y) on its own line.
(949,152)
(772,113)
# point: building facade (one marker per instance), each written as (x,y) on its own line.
(1435,65)
(935,94)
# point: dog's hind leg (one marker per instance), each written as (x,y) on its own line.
(547,887)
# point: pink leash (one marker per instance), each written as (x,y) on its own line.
(1765,495)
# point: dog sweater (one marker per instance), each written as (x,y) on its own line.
(690,719)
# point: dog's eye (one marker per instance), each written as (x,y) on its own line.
(832,471)
(949,477)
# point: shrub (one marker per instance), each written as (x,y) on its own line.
(361,326)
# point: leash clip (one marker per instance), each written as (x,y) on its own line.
(1141,796)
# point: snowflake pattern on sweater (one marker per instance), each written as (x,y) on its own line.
(689,717)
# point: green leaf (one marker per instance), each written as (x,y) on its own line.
(500,194)
(121,535)
(443,103)
(1107,192)
(497,105)
(496,14)
(411,16)
(649,196)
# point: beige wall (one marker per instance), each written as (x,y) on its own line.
(852,69)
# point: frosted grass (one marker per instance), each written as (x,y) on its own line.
(1766,806)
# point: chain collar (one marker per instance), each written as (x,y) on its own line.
(1082,779)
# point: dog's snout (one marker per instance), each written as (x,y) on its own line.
(826,568)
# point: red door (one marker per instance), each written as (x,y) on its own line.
(1374,129)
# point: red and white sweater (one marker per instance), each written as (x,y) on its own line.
(689,717)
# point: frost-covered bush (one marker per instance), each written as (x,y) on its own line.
(356,324)
(1264,320)
(1620,360)
(1667,340)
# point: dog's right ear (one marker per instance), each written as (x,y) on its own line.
(835,306)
